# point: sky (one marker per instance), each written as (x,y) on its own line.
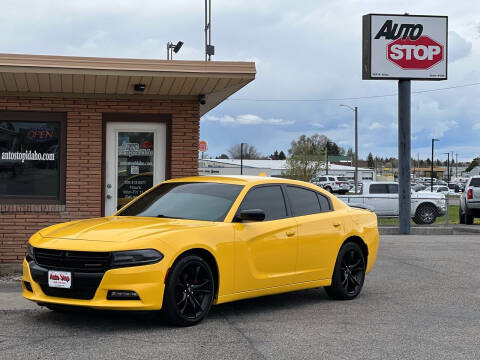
(302,50)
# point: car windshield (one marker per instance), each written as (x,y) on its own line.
(342,179)
(183,200)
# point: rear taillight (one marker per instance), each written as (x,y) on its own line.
(470,194)
(337,183)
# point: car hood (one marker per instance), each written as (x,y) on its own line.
(119,229)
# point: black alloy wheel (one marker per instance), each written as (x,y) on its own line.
(349,273)
(189,291)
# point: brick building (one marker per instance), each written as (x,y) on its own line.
(79,137)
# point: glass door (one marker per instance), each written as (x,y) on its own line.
(135,161)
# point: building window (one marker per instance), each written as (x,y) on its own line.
(32,157)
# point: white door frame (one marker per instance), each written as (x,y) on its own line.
(159,130)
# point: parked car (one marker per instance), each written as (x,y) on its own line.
(189,243)
(382,197)
(470,201)
(333,184)
(443,189)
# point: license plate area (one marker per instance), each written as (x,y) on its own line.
(60,279)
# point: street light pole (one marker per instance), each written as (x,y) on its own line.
(431,172)
(355,110)
(241,158)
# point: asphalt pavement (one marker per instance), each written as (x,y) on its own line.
(421,301)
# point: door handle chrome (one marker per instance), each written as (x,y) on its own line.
(109,196)
(290,233)
(336,224)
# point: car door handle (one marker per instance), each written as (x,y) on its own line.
(336,224)
(290,233)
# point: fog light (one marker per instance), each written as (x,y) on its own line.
(122,295)
(27,286)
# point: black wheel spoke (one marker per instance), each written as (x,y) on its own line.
(354,280)
(197,303)
(199,286)
(195,277)
(184,298)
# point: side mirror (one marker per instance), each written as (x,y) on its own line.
(252,215)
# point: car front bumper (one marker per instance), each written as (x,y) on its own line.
(147,281)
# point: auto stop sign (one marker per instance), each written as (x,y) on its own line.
(420,54)
(404,47)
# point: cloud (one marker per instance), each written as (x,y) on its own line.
(248,119)
(442,126)
(376,125)
(476,126)
(317,124)
(458,47)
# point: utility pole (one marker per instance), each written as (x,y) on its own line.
(448,168)
(326,159)
(456,164)
(355,110)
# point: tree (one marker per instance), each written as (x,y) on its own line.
(475,162)
(281,156)
(274,156)
(370,161)
(249,152)
(307,155)
(223,156)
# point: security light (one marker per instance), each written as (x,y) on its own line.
(177,47)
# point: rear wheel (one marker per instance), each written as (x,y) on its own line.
(426,214)
(189,291)
(329,189)
(468,217)
(349,273)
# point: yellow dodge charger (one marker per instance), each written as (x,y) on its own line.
(189,243)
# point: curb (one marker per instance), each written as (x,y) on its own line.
(7,269)
(417,230)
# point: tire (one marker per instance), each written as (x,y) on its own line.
(468,217)
(349,273)
(426,214)
(189,291)
(329,189)
(461,217)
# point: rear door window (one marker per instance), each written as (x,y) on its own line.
(475,182)
(303,201)
(379,189)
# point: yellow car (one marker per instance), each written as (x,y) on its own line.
(189,243)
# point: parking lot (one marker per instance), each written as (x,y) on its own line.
(421,301)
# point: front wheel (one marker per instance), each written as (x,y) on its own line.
(189,291)
(349,273)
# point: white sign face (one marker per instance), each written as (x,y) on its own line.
(405,47)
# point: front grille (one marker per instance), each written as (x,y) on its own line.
(85,261)
(86,293)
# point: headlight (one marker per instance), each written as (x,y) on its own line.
(135,257)
(29,251)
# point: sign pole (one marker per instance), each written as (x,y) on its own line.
(404,189)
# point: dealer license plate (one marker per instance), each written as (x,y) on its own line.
(60,279)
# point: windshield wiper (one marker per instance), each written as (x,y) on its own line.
(168,217)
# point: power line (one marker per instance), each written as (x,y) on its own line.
(355,98)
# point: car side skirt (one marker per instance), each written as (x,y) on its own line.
(273,290)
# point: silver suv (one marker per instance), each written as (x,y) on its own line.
(470,201)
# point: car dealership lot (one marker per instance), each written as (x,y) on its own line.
(422,300)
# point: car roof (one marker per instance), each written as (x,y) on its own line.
(239,179)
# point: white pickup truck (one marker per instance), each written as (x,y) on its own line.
(470,201)
(382,198)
